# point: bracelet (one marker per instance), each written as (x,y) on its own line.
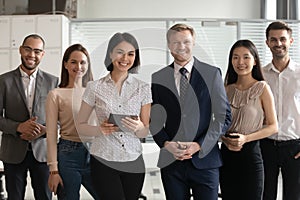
(53,172)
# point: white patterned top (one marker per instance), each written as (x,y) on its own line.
(104,97)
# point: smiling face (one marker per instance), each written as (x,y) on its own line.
(181,45)
(279,42)
(242,61)
(122,57)
(77,65)
(32,52)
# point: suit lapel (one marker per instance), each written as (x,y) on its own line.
(196,79)
(38,86)
(167,79)
(19,84)
(192,87)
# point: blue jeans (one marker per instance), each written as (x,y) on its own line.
(74,169)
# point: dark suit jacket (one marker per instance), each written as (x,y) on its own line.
(14,110)
(202,119)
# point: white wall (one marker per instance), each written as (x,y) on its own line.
(241,9)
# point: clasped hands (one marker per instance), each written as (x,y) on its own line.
(31,129)
(234,144)
(182,150)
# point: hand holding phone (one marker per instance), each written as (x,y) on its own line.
(60,191)
(231,136)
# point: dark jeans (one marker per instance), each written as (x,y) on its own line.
(280,156)
(242,173)
(180,177)
(111,183)
(16,175)
(74,168)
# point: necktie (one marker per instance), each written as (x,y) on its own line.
(183,84)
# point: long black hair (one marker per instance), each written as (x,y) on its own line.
(231,75)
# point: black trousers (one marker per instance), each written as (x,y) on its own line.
(16,175)
(242,173)
(118,180)
(280,156)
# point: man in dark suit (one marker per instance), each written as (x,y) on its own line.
(187,120)
(23,92)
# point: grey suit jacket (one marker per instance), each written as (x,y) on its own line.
(14,110)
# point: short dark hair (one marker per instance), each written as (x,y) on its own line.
(178,28)
(35,36)
(231,75)
(64,72)
(116,39)
(278,25)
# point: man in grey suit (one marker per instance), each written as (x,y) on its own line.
(23,93)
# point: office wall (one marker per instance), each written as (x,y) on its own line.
(243,9)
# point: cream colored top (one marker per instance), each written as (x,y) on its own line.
(246,108)
(62,105)
(61,108)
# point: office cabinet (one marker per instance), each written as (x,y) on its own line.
(53,28)
(5,32)
(4,58)
(20,27)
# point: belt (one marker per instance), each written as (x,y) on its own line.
(283,142)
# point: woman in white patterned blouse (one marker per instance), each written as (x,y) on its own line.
(117,164)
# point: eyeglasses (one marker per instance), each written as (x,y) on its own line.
(29,50)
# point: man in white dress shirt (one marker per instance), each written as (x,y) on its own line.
(282,151)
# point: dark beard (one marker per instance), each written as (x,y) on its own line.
(28,67)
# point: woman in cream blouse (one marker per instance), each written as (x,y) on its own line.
(69,159)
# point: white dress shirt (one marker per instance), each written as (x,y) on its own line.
(177,74)
(285,86)
(29,88)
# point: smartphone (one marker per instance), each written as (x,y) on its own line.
(231,136)
(60,192)
(116,118)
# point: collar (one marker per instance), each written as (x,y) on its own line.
(108,78)
(291,66)
(24,74)
(188,66)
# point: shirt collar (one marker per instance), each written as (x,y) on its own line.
(188,66)
(108,78)
(291,66)
(24,74)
